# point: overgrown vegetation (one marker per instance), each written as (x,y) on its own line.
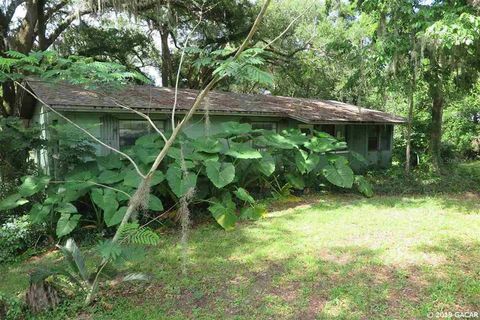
(224,168)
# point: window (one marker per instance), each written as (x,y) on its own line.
(265,126)
(373,138)
(328,128)
(340,132)
(306,128)
(131,130)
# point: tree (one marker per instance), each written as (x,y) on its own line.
(40,26)
(450,63)
(128,46)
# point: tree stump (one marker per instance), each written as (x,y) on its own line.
(41,296)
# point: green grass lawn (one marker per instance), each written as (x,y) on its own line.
(326,257)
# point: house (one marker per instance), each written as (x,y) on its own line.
(368,132)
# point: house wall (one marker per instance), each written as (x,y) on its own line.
(41,118)
(105,126)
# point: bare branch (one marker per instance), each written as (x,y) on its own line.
(182,57)
(83,130)
(53,10)
(143,115)
(96,184)
(63,26)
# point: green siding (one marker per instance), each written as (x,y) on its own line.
(104,125)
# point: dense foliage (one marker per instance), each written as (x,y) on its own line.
(219,170)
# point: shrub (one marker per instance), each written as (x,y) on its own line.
(16,142)
(16,236)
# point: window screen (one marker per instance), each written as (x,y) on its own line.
(340,132)
(306,128)
(328,128)
(131,130)
(265,126)
(373,138)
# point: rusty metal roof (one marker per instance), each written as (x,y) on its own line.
(160,99)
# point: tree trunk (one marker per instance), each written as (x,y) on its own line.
(436,129)
(25,37)
(408,137)
(8,106)
(411,105)
(166,58)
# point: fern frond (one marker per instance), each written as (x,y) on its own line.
(132,233)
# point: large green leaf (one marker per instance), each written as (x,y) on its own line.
(339,173)
(146,155)
(321,144)
(207,145)
(109,176)
(150,141)
(296,180)
(305,162)
(132,179)
(12,201)
(242,151)
(114,217)
(66,224)
(179,182)
(243,195)
(295,136)
(275,140)
(232,128)
(66,208)
(39,213)
(32,185)
(224,212)
(84,172)
(266,165)
(220,174)
(106,200)
(252,213)
(154,203)
(111,161)
(72,194)
(364,186)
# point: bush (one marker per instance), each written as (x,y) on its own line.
(16,142)
(453,178)
(16,236)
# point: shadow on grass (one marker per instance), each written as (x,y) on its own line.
(340,282)
(264,270)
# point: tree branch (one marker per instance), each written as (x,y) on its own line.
(52,10)
(63,26)
(180,68)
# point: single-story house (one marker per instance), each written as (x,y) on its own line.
(368,132)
